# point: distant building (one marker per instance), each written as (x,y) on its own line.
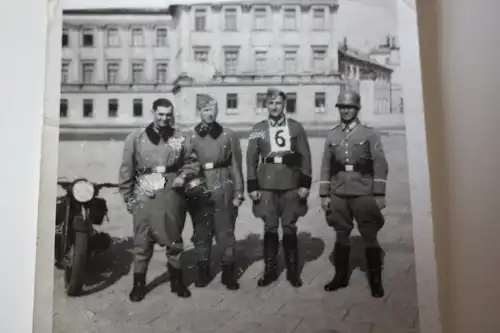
(116,62)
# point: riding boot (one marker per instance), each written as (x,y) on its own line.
(341,278)
(228,277)
(139,290)
(290,249)
(177,283)
(374,263)
(204,275)
(271,245)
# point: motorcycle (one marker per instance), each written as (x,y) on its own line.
(76,239)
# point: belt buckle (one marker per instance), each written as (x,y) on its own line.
(160,169)
(208,166)
(349,167)
(278,159)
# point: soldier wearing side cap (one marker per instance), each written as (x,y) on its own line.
(279,180)
(353,185)
(157,163)
(219,153)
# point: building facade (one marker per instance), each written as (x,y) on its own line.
(116,62)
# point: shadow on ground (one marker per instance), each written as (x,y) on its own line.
(107,268)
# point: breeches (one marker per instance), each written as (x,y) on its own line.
(159,220)
(362,208)
(274,206)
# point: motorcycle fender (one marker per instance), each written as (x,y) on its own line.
(81,224)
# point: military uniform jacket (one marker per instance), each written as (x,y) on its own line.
(353,162)
(219,154)
(146,151)
(270,142)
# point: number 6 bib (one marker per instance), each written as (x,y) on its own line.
(280,138)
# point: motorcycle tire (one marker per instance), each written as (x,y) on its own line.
(74,273)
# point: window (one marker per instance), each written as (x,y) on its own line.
(319,19)
(230,19)
(65,72)
(231,61)
(88,108)
(113,37)
(260,61)
(112,72)
(231,103)
(320,101)
(200,19)
(291,102)
(137,37)
(319,59)
(260,19)
(290,61)
(88,37)
(88,73)
(201,55)
(161,37)
(161,72)
(137,108)
(63,108)
(65,38)
(290,19)
(137,72)
(260,102)
(112,107)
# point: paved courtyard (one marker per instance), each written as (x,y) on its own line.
(276,309)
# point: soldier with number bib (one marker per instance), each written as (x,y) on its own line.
(157,163)
(353,182)
(279,180)
(219,153)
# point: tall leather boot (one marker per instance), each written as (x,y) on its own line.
(204,275)
(342,274)
(290,249)
(139,290)
(374,263)
(177,283)
(271,245)
(228,277)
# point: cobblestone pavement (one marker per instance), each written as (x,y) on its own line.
(276,309)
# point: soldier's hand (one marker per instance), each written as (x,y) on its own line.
(380,202)
(255,195)
(237,202)
(178,182)
(326,204)
(303,192)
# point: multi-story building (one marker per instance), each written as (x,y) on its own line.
(116,62)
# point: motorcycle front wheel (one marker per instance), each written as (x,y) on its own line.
(74,272)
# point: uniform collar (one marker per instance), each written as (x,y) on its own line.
(277,122)
(154,135)
(213,130)
(351,126)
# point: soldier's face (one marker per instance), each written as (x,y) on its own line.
(348,114)
(208,113)
(163,116)
(275,106)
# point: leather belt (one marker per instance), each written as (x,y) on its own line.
(361,168)
(213,165)
(160,169)
(288,160)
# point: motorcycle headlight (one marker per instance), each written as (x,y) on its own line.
(83,191)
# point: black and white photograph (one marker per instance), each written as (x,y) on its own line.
(234,166)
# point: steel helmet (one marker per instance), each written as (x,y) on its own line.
(349,98)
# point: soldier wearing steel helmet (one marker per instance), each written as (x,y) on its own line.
(278,182)
(353,186)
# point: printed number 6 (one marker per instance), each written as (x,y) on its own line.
(280,141)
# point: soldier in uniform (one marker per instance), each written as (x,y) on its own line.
(157,162)
(353,182)
(219,153)
(279,180)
